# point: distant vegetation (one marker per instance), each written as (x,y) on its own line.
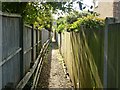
(74,20)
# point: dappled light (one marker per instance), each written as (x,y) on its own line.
(59,45)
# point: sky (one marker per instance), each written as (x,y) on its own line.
(87,3)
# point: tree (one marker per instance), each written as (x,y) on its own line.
(37,13)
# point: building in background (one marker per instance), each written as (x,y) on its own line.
(108,8)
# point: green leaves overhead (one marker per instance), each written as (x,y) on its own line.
(37,13)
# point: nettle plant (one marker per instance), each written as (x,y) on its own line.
(73,22)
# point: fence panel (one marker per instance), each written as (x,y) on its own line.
(83,56)
(45,35)
(0,51)
(95,41)
(16,44)
(27,48)
(10,50)
(113,80)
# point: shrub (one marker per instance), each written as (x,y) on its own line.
(73,22)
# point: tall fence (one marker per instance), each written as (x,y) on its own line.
(113,61)
(80,58)
(10,49)
(19,47)
(92,56)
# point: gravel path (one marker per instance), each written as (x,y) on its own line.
(52,75)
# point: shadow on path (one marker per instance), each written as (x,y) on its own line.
(52,75)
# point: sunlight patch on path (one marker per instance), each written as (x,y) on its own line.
(57,76)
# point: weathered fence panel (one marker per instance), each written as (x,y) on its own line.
(113,64)
(0,51)
(19,47)
(10,61)
(27,48)
(92,56)
(45,35)
(95,41)
(83,54)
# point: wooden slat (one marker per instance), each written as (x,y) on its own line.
(35,81)
(28,26)
(26,78)
(9,15)
(27,50)
(10,56)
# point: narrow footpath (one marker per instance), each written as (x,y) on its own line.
(52,75)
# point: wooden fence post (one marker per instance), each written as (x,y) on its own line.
(108,21)
(37,51)
(21,46)
(32,45)
(1,38)
(40,38)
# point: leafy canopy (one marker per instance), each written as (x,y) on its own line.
(37,13)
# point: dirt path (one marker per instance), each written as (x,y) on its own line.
(53,75)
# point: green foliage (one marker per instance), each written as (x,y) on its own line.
(37,13)
(73,22)
(89,21)
(14,7)
(73,16)
(61,24)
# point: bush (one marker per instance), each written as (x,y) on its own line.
(73,22)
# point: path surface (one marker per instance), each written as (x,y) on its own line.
(53,75)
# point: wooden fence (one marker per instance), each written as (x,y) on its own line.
(113,60)
(92,56)
(79,59)
(19,47)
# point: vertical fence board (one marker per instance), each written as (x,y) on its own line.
(45,35)
(1,51)
(113,55)
(10,43)
(34,44)
(27,48)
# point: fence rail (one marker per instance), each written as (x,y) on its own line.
(37,65)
